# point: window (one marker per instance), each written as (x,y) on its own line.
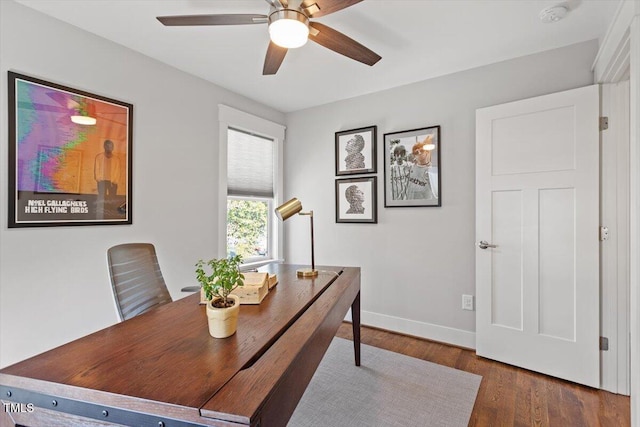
(251,185)
(248,228)
(249,194)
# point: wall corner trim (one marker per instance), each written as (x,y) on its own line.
(613,55)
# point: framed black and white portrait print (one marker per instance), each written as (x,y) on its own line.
(356,151)
(356,200)
(412,168)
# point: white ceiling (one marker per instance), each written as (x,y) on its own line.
(417,39)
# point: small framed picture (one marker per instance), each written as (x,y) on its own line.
(356,151)
(356,200)
(412,168)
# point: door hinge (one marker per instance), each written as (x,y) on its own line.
(604,233)
(604,343)
(604,123)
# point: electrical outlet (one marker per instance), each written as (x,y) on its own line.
(467,302)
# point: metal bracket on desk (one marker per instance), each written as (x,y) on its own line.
(29,401)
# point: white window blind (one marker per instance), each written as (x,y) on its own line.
(249,164)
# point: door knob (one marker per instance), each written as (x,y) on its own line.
(485,245)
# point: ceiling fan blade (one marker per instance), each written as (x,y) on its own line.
(231,19)
(275,56)
(277,3)
(328,6)
(338,42)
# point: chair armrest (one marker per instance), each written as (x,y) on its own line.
(190,289)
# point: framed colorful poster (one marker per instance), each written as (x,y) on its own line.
(412,168)
(356,200)
(70,160)
(356,151)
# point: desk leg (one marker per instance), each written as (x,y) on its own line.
(355,323)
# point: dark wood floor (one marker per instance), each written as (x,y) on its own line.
(511,396)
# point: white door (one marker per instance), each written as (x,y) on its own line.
(537,202)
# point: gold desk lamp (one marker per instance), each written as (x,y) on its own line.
(286,211)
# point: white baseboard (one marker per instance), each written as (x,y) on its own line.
(428,331)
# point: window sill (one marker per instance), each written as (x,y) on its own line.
(255,264)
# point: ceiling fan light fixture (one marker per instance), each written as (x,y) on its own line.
(288,28)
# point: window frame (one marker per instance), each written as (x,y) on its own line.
(230,117)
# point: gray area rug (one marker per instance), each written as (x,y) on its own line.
(389,389)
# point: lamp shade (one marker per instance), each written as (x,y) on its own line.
(84,120)
(288,28)
(288,209)
(85,114)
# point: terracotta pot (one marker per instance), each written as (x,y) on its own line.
(223,322)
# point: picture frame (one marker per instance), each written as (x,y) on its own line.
(412,168)
(70,156)
(356,151)
(356,200)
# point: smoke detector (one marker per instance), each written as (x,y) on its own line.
(553,14)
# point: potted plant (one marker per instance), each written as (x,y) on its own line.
(221,278)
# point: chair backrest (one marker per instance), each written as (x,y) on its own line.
(136,279)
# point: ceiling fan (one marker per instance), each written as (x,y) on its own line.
(289,27)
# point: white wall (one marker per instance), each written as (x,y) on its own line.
(416,262)
(54,282)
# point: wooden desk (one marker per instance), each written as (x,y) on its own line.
(163,368)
